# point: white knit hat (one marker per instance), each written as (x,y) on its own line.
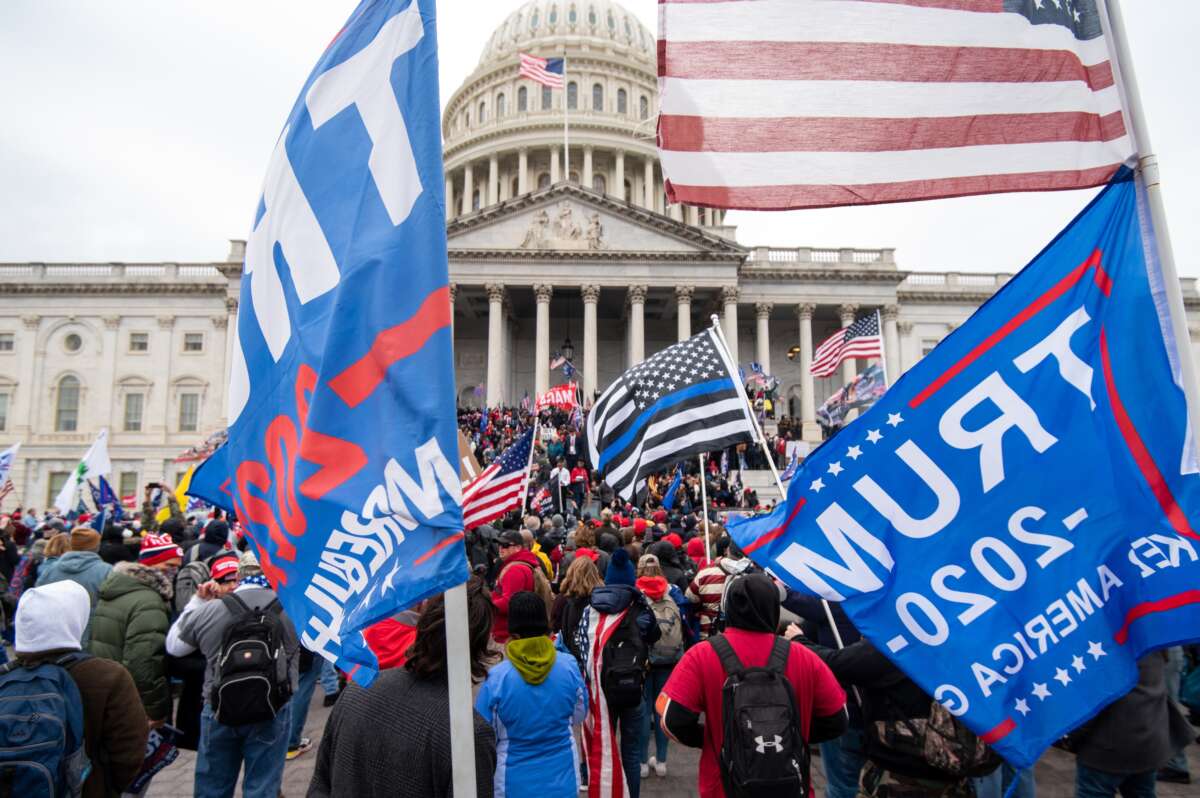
(52,617)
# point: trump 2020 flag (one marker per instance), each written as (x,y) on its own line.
(341,454)
(1013,523)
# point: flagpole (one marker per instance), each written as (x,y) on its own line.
(566,143)
(704,501)
(458,675)
(1148,172)
(537,420)
(882,351)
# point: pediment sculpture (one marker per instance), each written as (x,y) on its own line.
(563,232)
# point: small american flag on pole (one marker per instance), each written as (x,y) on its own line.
(774,104)
(499,488)
(860,340)
(546,71)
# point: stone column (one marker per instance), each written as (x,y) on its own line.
(553,165)
(637,327)
(449,197)
(762,314)
(729,296)
(523,171)
(541,349)
(591,295)
(618,190)
(891,342)
(693,216)
(493,188)
(468,188)
(495,343)
(586,178)
(849,368)
(683,308)
(648,184)
(810,431)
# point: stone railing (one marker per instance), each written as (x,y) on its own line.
(810,256)
(961,281)
(163,272)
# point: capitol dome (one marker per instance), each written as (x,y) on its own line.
(504,135)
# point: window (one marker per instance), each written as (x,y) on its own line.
(501,105)
(612,23)
(644,107)
(482,113)
(599,184)
(522,99)
(72,342)
(572,16)
(134,404)
(66,413)
(127,484)
(4,398)
(622,102)
(193,342)
(189,412)
(927,346)
(597,97)
(572,96)
(534,19)
(139,342)
(466,118)
(591,15)
(543,181)
(574,177)
(628,191)
(552,17)
(545,98)
(7,342)
(54,485)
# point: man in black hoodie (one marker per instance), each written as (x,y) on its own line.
(216,536)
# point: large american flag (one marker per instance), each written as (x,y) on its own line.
(860,340)
(499,488)
(775,104)
(546,71)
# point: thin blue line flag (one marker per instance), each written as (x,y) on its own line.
(1013,523)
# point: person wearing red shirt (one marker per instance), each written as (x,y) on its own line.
(579,484)
(695,686)
(516,575)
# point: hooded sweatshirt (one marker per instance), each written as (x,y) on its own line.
(531,700)
(82,567)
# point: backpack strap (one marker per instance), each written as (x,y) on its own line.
(729,658)
(68,661)
(779,655)
(235,605)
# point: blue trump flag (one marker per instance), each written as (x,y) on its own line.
(342,444)
(1012,522)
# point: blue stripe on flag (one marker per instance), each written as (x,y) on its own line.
(699,389)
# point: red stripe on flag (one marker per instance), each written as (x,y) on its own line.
(999,732)
(441,545)
(777,531)
(1137,448)
(1151,607)
(361,378)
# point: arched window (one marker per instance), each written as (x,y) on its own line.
(543,180)
(597,97)
(592,15)
(534,19)
(501,105)
(466,118)
(612,23)
(644,107)
(628,30)
(482,112)
(622,102)
(599,184)
(552,17)
(572,96)
(66,409)
(546,102)
(522,99)
(572,15)
(475,201)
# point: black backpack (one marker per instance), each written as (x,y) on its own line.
(626,657)
(764,753)
(253,683)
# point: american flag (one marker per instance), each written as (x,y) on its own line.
(775,104)
(6,489)
(499,488)
(860,340)
(546,71)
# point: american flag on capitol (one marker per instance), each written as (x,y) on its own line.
(683,401)
(775,104)
(499,488)
(546,71)
(860,340)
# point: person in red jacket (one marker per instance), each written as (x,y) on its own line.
(517,569)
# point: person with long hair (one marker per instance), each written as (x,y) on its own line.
(404,717)
(574,596)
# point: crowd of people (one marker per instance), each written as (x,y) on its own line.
(603,633)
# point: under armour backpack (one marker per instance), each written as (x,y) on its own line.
(623,669)
(41,735)
(253,683)
(669,648)
(763,753)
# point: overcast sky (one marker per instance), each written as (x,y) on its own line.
(140,131)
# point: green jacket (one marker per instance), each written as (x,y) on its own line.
(130,626)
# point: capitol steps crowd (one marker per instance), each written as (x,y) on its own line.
(602,635)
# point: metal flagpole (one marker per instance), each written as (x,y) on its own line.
(882,351)
(704,502)
(566,143)
(458,674)
(537,421)
(1148,173)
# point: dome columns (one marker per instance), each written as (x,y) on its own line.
(523,171)
(618,190)
(468,188)
(587,167)
(493,187)
(648,183)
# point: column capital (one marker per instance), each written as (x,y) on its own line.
(730,293)
(683,293)
(543,292)
(31,322)
(495,292)
(847,312)
(763,310)
(637,294)
(231,304)
(890,312)
(805,310)
(113,322)
(590,293)
(220,322)
(523,151)
(905,327)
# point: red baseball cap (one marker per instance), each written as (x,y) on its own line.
(224,568)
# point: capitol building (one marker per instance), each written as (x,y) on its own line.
(558,244)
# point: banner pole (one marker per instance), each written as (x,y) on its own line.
(537,421)
(1148,172)
(458,675)
(566,145)
(887,382)
(704,501)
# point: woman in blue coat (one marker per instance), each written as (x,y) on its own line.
(532,699)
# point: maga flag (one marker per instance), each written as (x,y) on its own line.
(341,454)
(1012,523)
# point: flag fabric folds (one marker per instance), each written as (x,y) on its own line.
(668,500)
(94,463)
(7,458)
(499,488)
(775,104)
(342,434)
(682,401)
(863,392)
(859,341)
(1014,522)
(560,396)
(546,71)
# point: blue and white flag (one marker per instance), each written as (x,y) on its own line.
(668,501)
(1013,523)
(103,496)
(342,439)
(792,467)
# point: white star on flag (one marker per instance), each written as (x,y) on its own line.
(1040,691)
(816,485)
(873,436)
(1022,706)
(835,468)
(895,419)
(1096,650)
(1077,664)
(1062,677)
(854,452)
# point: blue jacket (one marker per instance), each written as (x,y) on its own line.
(535,752)
(84,567)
